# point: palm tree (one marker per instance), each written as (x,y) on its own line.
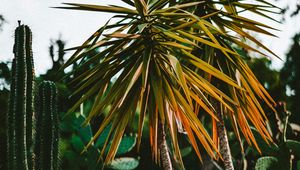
(172,61)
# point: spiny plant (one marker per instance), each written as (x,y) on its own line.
(20,115)
(265,163)
(47,130)
(20,118)
(125,163)
(174,61)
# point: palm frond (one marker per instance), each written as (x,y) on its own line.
(169,62)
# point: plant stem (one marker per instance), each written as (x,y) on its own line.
(47,134)
(223,139)
(163,147)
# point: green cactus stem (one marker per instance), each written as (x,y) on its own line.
(20,115)
(265,163)
(47,133)
(11,122)
(29,97)
(124,163)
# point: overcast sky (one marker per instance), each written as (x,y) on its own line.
(75,26)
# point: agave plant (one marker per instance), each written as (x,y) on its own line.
(173,60)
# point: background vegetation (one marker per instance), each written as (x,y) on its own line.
(283,85)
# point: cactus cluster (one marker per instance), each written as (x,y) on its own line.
(23,153)
(20,115)
(27,111)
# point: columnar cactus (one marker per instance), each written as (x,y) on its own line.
(19,118)
(29,97)
(46,143)
(11,122)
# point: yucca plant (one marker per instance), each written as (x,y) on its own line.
(173,61)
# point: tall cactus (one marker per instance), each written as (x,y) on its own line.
(46,144)
(19,118)
(30,97)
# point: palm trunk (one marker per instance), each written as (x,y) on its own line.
(163,148)
(223,139)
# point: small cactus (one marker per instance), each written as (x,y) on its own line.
(265,163)
(20,115)
(47,134)
(125,163)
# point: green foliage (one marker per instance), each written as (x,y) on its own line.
(84,132)
(275,82)
(77,143)
(19,117)
(46,139)
(266,148)
(294,146)
(47,131)
(127,143)
(168,59)
(76,136)
(5,74)
(266,163)
(185,151)
(290,74)
(103,136)
(124,163)
(81,136)
(283,156)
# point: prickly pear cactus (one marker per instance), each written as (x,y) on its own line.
(47,130)
(266,163)
(125,163)
(20,115)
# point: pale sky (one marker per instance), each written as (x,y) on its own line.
(75,26)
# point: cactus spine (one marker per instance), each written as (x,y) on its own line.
(19,118)
(46,146)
